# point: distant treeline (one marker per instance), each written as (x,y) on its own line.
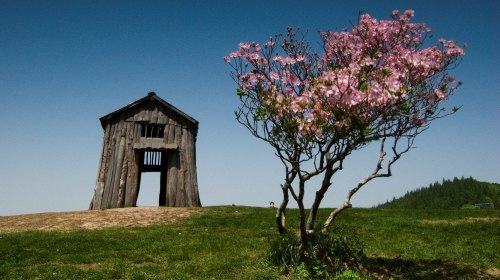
(449,194)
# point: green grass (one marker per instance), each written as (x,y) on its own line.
(429,244)
(232,243)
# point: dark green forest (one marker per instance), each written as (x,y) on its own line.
(449,194)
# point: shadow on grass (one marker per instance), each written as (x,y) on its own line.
(385,268)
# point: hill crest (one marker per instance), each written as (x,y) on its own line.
(95,219)
(449,194)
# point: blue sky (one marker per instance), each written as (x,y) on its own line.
(64,64)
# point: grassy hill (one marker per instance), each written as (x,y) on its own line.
(449,194)
(232,243)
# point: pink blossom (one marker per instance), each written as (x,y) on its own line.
(455,50)
(254,56)
(288,60)
(280,98)
(451,47)
(362,72)
(416,121)
(318,132)
(289,90)
(253,78)
(247,86)
(409,13)
(269,43)
(274,76)
(440,95)
(234,54)
(244,46)
(244,78)
(256,47)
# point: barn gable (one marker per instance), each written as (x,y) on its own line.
(148,135)
(138,111)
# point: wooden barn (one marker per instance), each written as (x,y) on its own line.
(148,135)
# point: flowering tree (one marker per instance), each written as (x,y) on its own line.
(377,83)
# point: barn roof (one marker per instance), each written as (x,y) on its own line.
(149,97)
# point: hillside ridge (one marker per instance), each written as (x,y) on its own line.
(449,194)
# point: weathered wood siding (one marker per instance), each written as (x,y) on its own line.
(118,179)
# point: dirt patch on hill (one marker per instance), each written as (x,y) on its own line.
(96,219)
(461,221)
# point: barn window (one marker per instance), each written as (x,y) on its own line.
(152,158)
(152,130)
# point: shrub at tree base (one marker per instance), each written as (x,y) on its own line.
(327,254)
(284,250)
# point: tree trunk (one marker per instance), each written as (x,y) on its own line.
(326,183)
(304,238)
(281,212)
